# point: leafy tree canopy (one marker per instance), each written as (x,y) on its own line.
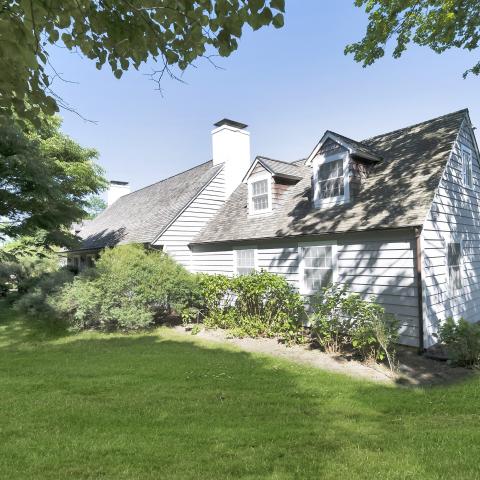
(120,33)
(438,24)
(96,205)
(46,180)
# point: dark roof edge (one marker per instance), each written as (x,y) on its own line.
(300,235)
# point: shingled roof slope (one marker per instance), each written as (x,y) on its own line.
(141,216)
(397,193)
(280,168)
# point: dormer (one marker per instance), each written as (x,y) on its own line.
(338,165)
(267,180)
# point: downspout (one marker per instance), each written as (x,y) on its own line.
(418,268)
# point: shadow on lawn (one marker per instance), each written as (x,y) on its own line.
(162,405)
(186,406)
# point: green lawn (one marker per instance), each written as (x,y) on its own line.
(163,406)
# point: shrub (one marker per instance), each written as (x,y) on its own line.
(342,320)
(36,290)
(462,340)
(129,289)
(257,304)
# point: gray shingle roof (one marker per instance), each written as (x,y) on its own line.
(141,216)
(280,168)
(397,193)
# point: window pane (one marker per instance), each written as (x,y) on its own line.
(317,267)
(455,278)
(260,187)
(467,168)
(454,254)
(330,179)
(246,258)
(260,202)
(245,261)
(316,279)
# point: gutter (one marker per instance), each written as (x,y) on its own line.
(419,277)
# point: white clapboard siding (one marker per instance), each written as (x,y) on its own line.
(381,270)
(192,220)
(454,215)
(384,270)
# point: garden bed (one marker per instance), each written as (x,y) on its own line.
(413,369)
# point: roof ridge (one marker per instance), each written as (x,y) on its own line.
(168,178)
(413,125)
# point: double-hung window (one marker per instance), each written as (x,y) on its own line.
(244,261)
(331,182)
(467,168)
(454,266)
(260,195)
(317,266)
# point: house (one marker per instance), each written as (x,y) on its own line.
(395,217)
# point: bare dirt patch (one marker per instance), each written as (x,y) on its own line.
(413,369)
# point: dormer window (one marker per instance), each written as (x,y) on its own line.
(260,195)
(331,180)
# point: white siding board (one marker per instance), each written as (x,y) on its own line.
(455,214)
(192,220)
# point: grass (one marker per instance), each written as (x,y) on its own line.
(160,405)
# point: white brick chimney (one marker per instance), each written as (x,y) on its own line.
(116,190)
(231,146)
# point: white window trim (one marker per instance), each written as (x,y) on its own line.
(321,160)
(454,239)
(465,150)
(301,270)
(255,257)
(256,177)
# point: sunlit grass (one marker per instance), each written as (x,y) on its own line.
(165,406)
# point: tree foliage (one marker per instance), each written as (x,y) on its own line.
(45,181)
(120,34)
(437,24)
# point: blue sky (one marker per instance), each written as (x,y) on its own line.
(288,85)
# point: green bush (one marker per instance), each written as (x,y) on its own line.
(35,292)
(257,304)
(462,340)
(341,320)
(129,289)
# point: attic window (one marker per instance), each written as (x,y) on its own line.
(331,180)
(467,168)
(260,195)
(454,261)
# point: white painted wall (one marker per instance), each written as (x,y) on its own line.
(378,266)
(455,215)
(191,221)
(231,146)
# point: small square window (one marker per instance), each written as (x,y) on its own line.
(245,261)
(260,200)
